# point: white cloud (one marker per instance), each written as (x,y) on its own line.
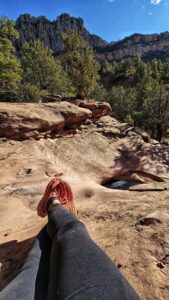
(155,2)
(111,1)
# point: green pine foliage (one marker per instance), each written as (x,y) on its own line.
(10,69)
(139,93)
(41,69)
(122,101)
(80,63)
(31,93)
(99,93)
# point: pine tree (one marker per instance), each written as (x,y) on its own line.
(81,65)
(123,101)
(10,70)
(41,69)
(155,108)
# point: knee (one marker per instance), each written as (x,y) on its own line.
(73,227)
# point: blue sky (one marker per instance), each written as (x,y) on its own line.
(110,19)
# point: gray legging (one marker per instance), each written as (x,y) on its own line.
(65,263)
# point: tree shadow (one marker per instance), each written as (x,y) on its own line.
(139,159)
(16,256)
(12,256)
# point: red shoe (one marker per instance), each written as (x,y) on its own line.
(59,189)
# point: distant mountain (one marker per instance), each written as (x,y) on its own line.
(49,32)
(148,46)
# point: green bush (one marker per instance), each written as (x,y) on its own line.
(99,93)
(30,93)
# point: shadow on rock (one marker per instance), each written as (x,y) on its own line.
(12,255)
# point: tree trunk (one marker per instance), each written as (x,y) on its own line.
(153,134)
(159,133)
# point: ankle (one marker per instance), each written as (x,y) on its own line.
(52,201)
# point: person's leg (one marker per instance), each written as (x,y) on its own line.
(32,281)
(79,269)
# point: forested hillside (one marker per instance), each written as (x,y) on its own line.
(137,91)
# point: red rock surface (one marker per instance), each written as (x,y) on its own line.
(94,151)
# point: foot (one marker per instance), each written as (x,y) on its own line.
(59,189)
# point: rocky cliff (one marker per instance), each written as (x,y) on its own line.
(149,46)
(49,32)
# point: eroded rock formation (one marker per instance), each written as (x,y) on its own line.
(31,28)
(22,121)
(148,46)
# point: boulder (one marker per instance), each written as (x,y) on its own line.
(99,109)
(52,98)
(25,121)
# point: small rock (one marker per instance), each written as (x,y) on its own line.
(52,98)
(88,122)
(131,133)
(129,129)
(99,125)
(123,126)
(83,127)
(31,134)
(111,132)
(145,136)
(154,142)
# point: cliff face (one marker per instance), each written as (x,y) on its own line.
(31,28)
(149,46)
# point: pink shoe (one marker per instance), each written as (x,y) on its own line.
(59,189)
